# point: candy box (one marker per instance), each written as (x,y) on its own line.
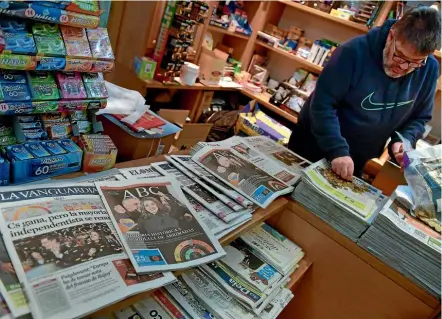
(70,85)
(94,85)
(45,29)
(37,150)
(45,63)
(35,134)
(43,86)
(6,130)
(50,45)
(75,40)
(13,25)
(59,130)
(79,115)
(11,76)
(5,168)
(145,68)
(18,152)
(15,92)
(99,43)
(7,140)
(20,43)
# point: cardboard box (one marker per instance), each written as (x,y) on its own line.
(145,68)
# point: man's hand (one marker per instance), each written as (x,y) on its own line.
(7,268)
(398,151)
(343,166)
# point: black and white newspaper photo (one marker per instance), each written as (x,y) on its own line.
(157,225)
(70,262)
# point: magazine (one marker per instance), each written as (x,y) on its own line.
(157,226)
(69,262)
(223,198)
(218,302)
(250,267)
(5,312)
(213,204)
(168,304)
(213,223)
(150,308)
(183,295)
(237,172)
(266,163)
(356,196)
(139,172)
(187,162)
(273,247)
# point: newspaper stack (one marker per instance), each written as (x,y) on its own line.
(349,207)
(406,244)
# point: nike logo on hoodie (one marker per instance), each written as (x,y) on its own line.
(368,105)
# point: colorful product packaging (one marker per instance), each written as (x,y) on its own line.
(48,39)
(145,68)
(15,92)
(19,43)
(94,85)
(7,140)
(5,168)
(18,152)
(70,85)
(37,150)
(13,25)
(100,153)
(12,76)
(99,43)
(75,40)
(46,63)
(43,86)
(6,130)
(2,41)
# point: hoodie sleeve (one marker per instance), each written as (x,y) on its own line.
(414,127)
(333,84)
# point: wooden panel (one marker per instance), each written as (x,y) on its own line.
(114,22)
(341,285)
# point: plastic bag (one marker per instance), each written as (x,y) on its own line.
(423,172)
(123,101)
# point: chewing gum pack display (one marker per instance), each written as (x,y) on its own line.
(48,39)
(43,86)
(100,153)
(11,76)
(94,85)
(41,160)
(13,92)
(99,43)
(70,85)
(75,40)
(19,43)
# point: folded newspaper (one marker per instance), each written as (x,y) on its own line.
(236,171)
(69,261)
(157,226)
(139,172)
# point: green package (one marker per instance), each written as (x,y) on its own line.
(8,140)
(43,86)
(6,130)
(51,45)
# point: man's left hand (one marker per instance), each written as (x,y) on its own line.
(398,151)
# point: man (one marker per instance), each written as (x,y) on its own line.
(373,86)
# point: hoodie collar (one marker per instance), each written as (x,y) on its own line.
(377,37)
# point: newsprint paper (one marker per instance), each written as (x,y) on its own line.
(65,250)
(158,231)
(237,172)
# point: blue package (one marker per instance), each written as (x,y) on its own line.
(13,25)
(11,108)
(9,76)
(37,150)
(5,168)
(30,125)
(50,63)
(35,134)
(20,43)
(28,118)
(15,92)
(53,148)
(69,145)
(18,152)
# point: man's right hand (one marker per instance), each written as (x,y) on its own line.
(343,166)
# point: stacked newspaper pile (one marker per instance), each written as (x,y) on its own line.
(406,244)
(348,206)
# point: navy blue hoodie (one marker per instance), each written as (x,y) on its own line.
(356,107)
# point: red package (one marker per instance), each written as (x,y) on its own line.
(2,41)
(146,122)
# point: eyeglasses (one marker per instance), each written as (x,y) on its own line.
(402,61)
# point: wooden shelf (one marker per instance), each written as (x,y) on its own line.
(258,217)
(225,31)
(437,54)
(307,65)
(350,24)
(299,273)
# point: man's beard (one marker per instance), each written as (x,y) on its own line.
(388,68)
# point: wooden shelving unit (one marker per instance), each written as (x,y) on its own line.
(350,24)
(303,62)
(214,29)
(295,278)
(437,54)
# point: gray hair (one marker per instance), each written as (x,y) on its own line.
(421,27)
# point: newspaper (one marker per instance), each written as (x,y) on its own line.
(357,196)
(139,172)
(214,298)
(213,223)
(171,306)
(157,226)
(273,247)
(70,263)
(249,266)
(186,161)
(184,296)
(150,308)
(237,172)
(223,198)
(5,312)
(277,305)
(266,163)
(213,204)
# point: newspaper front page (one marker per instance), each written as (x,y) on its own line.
(157,225)
(357,196)
(139,172)
(261,160)
(223,198)
(5,312)
(187,162)
(213,204)
(234,170)
(70,263)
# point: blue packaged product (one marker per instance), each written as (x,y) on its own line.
(13,25)
(30,125)
(50,63)
(53,148)
(5,168)
(18,152)
(11,108)
(20,43)
(28,118)
(35,134)
(37,150)
(10,76)
(15,92)
(69,145)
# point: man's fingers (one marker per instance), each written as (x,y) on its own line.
(350,171)
(343,171)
